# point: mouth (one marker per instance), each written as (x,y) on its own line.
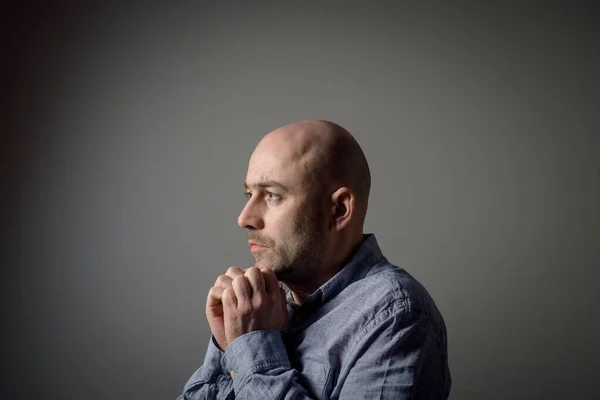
(254,247)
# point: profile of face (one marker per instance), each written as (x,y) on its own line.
(284,214)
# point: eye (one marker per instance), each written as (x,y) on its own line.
(247,194)
(273,196)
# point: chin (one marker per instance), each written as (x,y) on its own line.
(262,264)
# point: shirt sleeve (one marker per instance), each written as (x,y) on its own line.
(386,363)
(260,367)
(397,357)
(210,381)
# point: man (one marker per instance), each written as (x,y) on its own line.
(352,326)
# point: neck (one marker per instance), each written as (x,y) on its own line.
(301,289)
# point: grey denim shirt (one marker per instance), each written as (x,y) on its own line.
(370,332)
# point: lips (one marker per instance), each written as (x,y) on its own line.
(254,247)
(257,245)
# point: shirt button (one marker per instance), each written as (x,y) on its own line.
(232,373)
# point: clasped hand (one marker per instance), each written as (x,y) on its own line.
(244,301)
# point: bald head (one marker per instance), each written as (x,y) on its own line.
(307,189)
(326,156)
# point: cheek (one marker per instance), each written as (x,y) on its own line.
(283,228)
(276,226)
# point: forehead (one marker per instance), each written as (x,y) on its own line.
(268,164)
(264,166)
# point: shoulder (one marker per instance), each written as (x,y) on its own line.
(387,286)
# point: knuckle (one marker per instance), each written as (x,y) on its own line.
(268,275)
(266,271)
(223,280)
(232,270)
(227,295)
(259,302)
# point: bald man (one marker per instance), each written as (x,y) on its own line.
(351,325)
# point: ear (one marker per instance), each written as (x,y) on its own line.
(342,208)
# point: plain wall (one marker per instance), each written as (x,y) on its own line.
(126,134)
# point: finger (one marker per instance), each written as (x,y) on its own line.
(271,282)
(242,290)
(214,307)
(229,298)
(256,281)
(234,272)
(216,293)
(223,281)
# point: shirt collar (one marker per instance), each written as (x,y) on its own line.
(367,255)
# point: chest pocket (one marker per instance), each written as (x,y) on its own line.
(315,376)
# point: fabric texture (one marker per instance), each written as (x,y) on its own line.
(370,332)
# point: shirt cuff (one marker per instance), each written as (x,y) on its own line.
(211,368)
(253,352)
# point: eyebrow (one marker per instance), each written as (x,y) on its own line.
(266,184)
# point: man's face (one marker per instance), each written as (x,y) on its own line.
(283,215)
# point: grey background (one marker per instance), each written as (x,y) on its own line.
(125,139)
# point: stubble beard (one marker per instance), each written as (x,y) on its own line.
(299,254)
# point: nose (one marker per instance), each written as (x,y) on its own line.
(250,217)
